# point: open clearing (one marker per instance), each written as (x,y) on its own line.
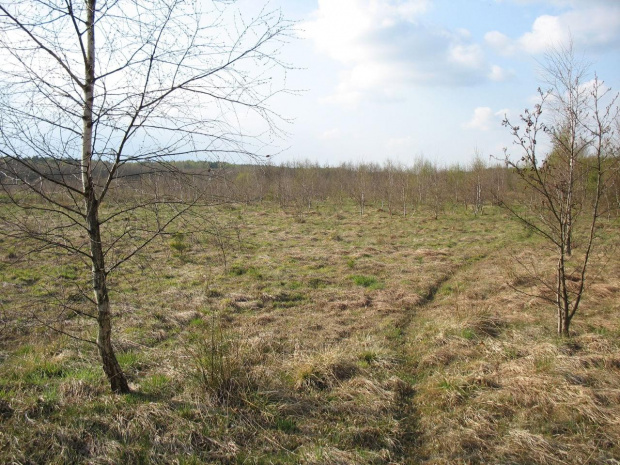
(337,339)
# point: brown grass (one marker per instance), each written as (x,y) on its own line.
(437,360)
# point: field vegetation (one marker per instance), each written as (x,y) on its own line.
(155,310)
(293,326)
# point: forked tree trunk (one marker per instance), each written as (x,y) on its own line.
(563,322)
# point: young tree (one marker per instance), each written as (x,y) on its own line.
(89,88)
(581,133)
(402,184)
(478,170)
(359,184)
(456,180)
(568,102)
(390,190)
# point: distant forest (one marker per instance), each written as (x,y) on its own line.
(300,186)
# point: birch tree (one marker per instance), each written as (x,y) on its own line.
(91,87)
(581,131)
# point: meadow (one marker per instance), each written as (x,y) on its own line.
(252,334)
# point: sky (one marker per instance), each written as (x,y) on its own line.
(403,79)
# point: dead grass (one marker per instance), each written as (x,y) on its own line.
(438,360)
(496,386)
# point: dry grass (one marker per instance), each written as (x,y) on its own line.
(336,340)
(496,386)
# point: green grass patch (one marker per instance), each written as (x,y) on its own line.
(288,299)
(367,281)
(240,270)
(68,272)
(286,425)
(44,371)
(178,243)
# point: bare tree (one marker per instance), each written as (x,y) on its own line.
(568,102)
(403,181)
(359,184)
(90,88)
(387,185)
(581,133)
(456,178)
(478,170)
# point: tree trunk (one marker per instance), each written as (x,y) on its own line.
(562,302)
(569,232)
(563,323)
(362,205)
(111,367)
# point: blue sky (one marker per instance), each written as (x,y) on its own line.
(399,79)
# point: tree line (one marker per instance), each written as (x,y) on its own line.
(301,186)
(397,189)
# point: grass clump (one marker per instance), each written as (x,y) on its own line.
(178,243)
(69,273)
(323,370)
(240,270)
(287,425)
(219,365)
(288,299)
(367,281)
(43,372)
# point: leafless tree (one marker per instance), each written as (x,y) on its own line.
(359,185)
(90,88)
(403,182)
(478,171)
(581,132)
(568,101)
(431,185)
(457,177)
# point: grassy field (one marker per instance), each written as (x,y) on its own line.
(261,338)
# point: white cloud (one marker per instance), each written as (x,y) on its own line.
(500,42)
(532,100)
(499,74)
(593,85)
(484,118)
(343,98)
(546,31)
(481,119)
(590,23)
(562,3)
(385,46)
(470,56)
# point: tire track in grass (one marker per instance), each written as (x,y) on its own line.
(410,436)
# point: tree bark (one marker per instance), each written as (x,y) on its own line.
(111,367)
(563,305)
